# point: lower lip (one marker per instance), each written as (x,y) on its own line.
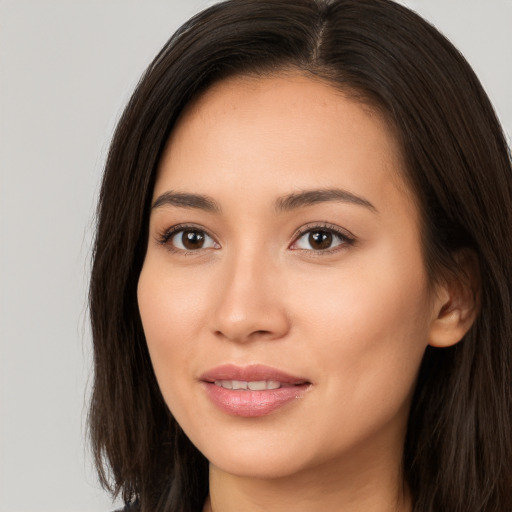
(253,403)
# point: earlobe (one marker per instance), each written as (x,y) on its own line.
(457,303)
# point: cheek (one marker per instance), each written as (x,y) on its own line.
(169,309)
(370,330)
(170,302)
(168,312)
(368,302)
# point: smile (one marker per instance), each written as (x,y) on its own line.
(258,385)
(252,391)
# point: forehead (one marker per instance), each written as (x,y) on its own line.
(280,131)
(287,96)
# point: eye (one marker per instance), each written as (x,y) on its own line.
(187,239)
(321,239)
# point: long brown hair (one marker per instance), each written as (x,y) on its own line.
(458,450)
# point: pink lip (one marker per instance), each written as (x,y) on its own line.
(250,403)
(253,372)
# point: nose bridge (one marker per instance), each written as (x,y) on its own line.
(248,305)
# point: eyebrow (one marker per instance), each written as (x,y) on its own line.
(311,197)
(186,200)
(286,203)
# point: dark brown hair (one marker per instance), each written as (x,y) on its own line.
(458,450)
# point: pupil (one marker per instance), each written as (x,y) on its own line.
(192,239)
(320,239)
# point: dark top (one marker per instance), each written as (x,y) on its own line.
(129,507)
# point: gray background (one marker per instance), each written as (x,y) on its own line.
(66,69)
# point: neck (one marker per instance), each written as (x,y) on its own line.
(371,489)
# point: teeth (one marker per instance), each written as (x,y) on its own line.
(239,384)
(258,385)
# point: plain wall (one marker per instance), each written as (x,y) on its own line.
(66,69)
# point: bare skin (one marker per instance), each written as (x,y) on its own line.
(283,234)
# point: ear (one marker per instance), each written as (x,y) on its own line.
(457,301)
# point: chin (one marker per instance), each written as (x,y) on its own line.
(267,458)
(261,467)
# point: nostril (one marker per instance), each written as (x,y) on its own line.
(260,333)
(253,334)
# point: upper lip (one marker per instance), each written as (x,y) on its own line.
(251,373)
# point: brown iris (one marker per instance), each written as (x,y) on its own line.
(192,239)
(320,239)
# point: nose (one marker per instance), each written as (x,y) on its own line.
(250,304)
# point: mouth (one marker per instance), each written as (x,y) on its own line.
(252,391)
(255,374)
(255,385)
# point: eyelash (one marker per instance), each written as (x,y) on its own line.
(164,237)
(345,238)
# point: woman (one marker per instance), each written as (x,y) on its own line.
(300,295)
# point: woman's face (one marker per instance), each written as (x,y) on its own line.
(284,257)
